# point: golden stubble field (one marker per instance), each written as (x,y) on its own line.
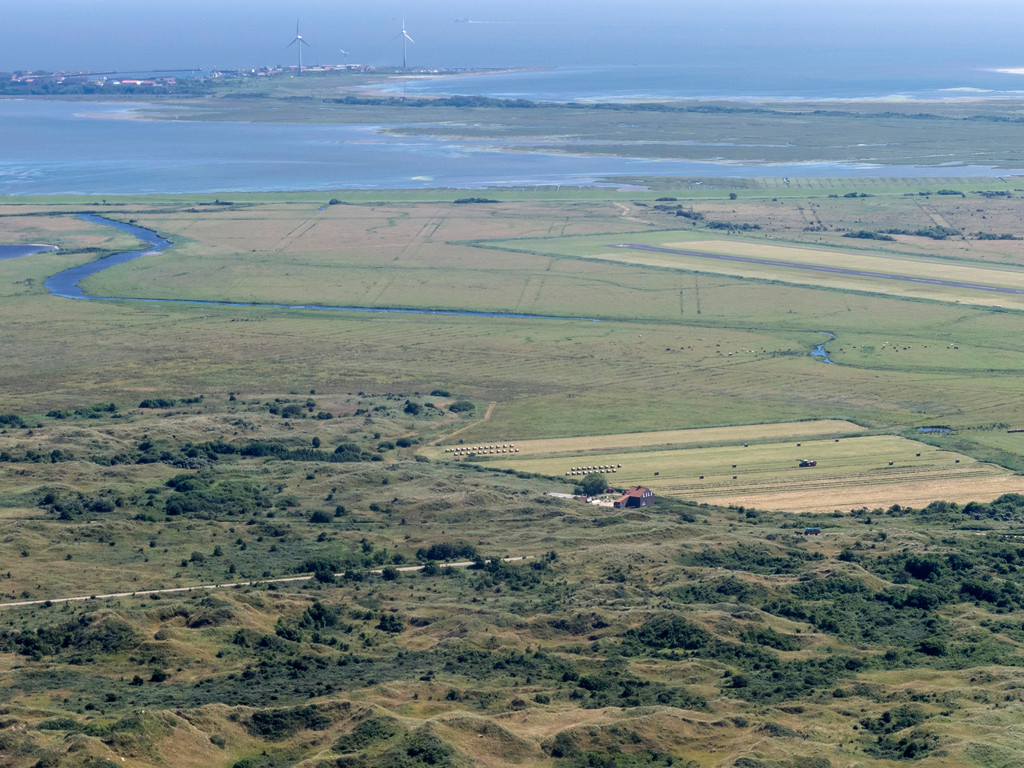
(760,467)
(849,269)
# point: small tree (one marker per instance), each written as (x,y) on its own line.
(593,484)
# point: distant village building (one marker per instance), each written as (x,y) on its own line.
(636,496)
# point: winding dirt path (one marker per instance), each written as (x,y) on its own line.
(486,417)
(201,587)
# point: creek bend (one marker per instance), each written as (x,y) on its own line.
(66,284)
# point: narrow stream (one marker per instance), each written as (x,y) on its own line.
(820,351)
(67,283)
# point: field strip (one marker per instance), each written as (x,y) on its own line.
(689,437)
(1010,281)
(207,587)
(914,494)
(826,483)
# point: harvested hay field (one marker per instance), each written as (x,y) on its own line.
(958,486)
(677,437)
(760,467)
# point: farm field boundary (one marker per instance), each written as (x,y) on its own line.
(682,437)
(764,471)
(897,275)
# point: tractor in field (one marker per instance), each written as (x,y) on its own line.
(808,463)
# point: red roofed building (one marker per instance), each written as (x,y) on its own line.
(636,496)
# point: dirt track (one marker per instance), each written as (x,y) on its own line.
(202,587)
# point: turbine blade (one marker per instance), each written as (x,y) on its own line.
(303,41)
(408,38)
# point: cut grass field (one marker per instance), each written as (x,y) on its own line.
(759,467)
(676,438)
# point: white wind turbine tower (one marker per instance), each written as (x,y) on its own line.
(298,39)
(405,39)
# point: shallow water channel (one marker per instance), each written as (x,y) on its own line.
(67,283)
(820,351)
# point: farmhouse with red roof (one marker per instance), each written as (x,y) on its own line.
(636,496)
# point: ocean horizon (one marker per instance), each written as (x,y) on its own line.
(748,82)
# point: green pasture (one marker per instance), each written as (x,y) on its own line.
(671,348)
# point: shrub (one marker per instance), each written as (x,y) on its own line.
(375,730)
(448,551)
(392,623)
(157,402)
(11,420)
(277,724)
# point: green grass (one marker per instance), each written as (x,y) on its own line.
(673,348)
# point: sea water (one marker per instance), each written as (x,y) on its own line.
(58,147)
(744,79)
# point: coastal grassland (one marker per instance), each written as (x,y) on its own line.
(23,224)
(651,637)
(357,255)
(673,348)
(763,472)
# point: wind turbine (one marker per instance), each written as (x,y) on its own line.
(405,39)
(298,39)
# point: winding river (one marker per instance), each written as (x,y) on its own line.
(67,284)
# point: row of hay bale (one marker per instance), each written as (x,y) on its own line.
(599,469)
(467,449)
